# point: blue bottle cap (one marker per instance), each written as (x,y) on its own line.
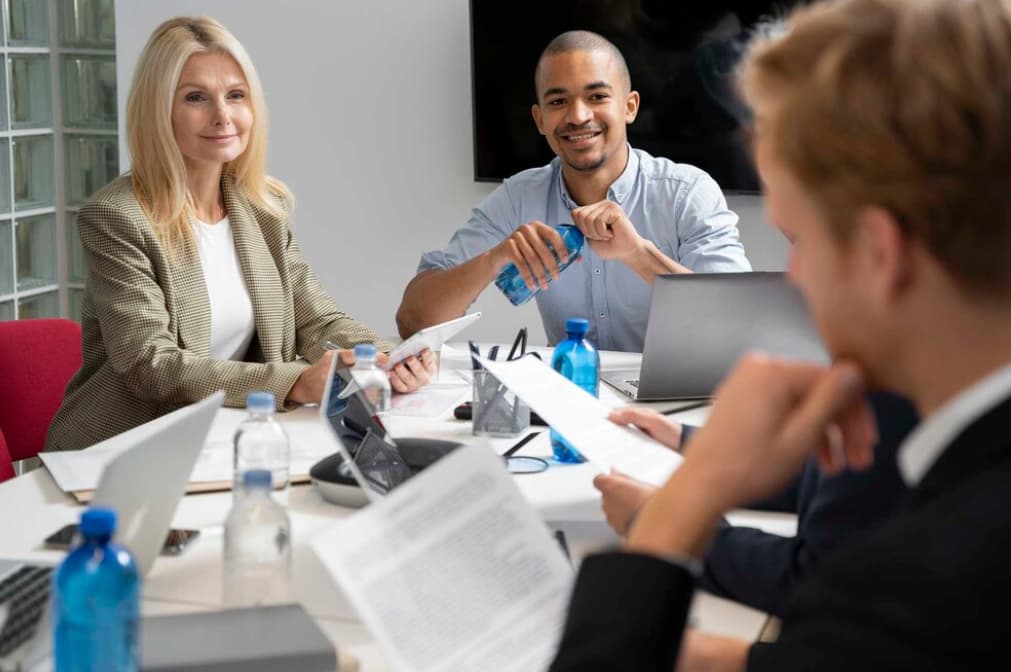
(98,522)
(365,351)
(577,325)
(573,239)
(260,401)
(256,478)
(570,233)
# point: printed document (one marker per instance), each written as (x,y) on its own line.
(454,570)
(430,401)
(582,419)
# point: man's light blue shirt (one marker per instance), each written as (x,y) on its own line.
(677,206)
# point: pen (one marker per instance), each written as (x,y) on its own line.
(519,444)
(560,538)
(686,407)
(521,336)
(474,354)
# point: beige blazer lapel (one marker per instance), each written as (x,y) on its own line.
(259,270)
(192,309)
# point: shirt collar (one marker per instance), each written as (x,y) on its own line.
(928,441)
(619,189)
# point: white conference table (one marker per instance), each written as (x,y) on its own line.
(34,507)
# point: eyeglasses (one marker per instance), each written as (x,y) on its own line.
(524,464)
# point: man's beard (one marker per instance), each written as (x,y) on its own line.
(588,166)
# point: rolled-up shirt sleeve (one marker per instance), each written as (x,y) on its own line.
(489,224)
(708,239)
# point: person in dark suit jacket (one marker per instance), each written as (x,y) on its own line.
(761,569)
(884,144)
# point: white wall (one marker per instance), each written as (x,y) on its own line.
(767,249)
(370,108)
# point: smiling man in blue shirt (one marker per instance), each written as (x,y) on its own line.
(641,215)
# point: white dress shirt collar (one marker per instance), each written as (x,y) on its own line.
(931,438)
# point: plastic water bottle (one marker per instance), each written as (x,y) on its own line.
(371,380)
(257,567)
(578,361)
(511,282)
(96,601)
(261,443)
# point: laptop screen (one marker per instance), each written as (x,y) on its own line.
(701,323)
(368,449)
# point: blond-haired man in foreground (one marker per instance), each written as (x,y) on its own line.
(883,137)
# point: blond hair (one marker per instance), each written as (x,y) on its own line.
(901,104)
(158,172)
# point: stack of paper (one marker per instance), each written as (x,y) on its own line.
(77,471)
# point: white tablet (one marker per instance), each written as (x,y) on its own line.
(430,337)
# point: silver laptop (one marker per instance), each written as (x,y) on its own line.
(701,323)
(143,484)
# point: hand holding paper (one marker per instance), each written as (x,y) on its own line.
(582,420)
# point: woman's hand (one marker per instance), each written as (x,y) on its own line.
(412,373)
(407,376)
(308,389)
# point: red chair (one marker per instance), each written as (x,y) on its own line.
(6,468)
(37,359)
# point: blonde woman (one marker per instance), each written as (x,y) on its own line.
(194,280)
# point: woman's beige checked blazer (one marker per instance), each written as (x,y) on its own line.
(146,320)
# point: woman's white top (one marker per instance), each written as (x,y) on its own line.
(232,325)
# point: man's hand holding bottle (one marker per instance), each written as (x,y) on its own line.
(530,248)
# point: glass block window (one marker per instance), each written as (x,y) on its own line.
(58,145)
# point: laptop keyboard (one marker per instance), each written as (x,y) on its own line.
(25,593)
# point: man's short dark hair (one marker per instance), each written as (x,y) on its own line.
(582,40)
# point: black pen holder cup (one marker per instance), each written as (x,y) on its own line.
(497,411)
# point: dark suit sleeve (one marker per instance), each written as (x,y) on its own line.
(627,612)
(762,570)
(918,593)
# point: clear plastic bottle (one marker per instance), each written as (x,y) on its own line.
(576,359)
(96,601)
(511,282)
(371,380)
(261,443)
(257,564)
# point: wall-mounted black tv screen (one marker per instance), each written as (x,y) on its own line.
(681,56)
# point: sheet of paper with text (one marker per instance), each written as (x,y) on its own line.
(454,570)
(582,419)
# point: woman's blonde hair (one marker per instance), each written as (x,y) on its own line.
(158,172)
(904,105)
